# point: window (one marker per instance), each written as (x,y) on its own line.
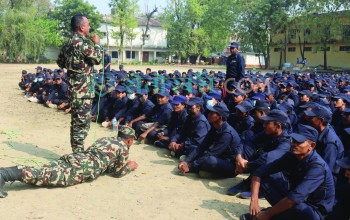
(160,54)
(292,33)
(276,49)
(291,49)
(114,54)
(344,48)
(307,32)
(327,49)
(146,36)
(307,48)
(130,55)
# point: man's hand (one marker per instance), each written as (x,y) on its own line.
(143,136)
(183,168)
(171,146)
(254,208)
(129,124)
(241,165)
(178,147)
(95,38)
(132,165)
(160,134)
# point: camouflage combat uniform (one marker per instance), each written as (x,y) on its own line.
(78,56)
(105,155)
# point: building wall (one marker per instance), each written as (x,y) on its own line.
(335,57)
(155,44)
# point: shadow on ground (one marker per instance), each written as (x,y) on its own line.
(228,210)
(33,150)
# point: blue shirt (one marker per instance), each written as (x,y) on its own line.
(310,179)
(218,143)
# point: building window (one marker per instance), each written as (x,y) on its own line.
(276,49)
(130,55)
(160,54)
(344,48)
(114,54)
(291,49)
(292,33)
(307,48)
(327,49)
(146,36)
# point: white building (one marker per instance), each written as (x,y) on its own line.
(155,47)
(154,50)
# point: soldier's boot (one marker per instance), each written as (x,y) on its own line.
(7,175)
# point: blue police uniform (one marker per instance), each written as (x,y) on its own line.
(241,125)
(193,133)
(60,94)
(330,148)
(216,153)
(107,60)
(235,67)
(119,107)
(307,182)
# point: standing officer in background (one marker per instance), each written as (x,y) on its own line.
(107,61)
(78,56)
(235,64)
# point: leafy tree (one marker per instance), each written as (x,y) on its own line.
(25,28)
(65,9)
(124,18)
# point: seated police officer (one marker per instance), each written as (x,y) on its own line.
(329,145)
(216,154)
(177,120)
(264,147)
(306,187)
(195,128)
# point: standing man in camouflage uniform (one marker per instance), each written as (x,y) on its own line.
(78,56)
(108,155)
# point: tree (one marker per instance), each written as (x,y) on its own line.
(149,16)
(25,28)
(124,18)
(174,21)
(65,9)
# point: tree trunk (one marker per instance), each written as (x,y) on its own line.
(280,64)
(198,59)
(179,58)
(188,61)
(141,58)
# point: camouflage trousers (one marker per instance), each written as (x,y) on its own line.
(67,171)
(80,122)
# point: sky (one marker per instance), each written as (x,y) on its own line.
(103,8)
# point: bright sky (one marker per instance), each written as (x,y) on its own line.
(102,5)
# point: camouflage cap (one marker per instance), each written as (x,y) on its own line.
(126,132)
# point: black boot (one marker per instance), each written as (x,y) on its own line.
(9,174)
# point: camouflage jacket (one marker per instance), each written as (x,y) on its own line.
(107,154)
(78,56)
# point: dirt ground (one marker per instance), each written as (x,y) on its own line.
(32,135)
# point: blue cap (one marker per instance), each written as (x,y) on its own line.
(285,106)
(195,100)
(234,45)
(214,95)
(344,163)
(162,92)
(238,93)
(153,74)
(319,111)
(39,68)
(120,88)
(141,92)
(306,92)
(179,99)
(245,106)
(48,76)
(121,66)
(308,105)
(57,76)
(259,96)
(262,104)
(304,133)
(276,115)
(292,83)
(221,109)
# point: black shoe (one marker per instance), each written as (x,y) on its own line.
(160,144)
(245,217)
(243,186)
(7,175)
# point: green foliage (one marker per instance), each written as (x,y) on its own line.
(25,28)
(65,9)
(124,18)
